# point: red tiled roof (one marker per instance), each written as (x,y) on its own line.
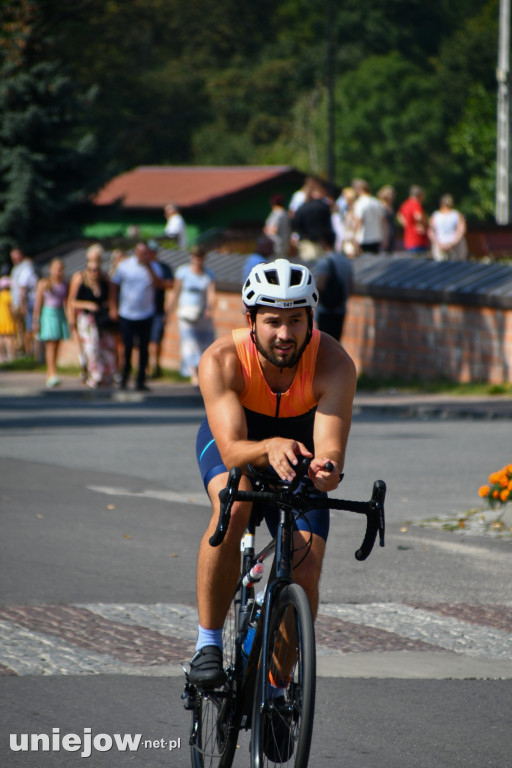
(154,186)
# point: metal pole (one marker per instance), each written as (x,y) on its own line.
(331,128)
(503,169)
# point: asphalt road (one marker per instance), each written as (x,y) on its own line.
(101,510)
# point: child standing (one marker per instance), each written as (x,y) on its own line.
(7,323)
(50,321)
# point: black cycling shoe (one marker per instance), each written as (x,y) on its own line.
(206,668)
(277,738)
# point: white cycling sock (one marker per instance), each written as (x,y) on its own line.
(208,637)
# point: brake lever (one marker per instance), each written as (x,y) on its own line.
(227,498)
(375,523)
(300,470)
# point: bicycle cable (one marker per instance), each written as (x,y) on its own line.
(307,544)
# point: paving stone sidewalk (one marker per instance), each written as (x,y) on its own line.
(137,639)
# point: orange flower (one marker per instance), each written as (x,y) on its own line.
(499,488)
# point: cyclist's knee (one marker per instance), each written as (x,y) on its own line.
(240,514)
(307,569)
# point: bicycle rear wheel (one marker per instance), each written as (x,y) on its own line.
(283,727)
(214,731)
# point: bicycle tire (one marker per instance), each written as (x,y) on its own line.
(291,718)
(213,720)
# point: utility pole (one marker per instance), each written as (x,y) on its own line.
(331,130)
(503,159)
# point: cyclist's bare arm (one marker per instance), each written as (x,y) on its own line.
(221,382)
(334,385)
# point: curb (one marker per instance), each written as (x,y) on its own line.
(446,411)
(393,406)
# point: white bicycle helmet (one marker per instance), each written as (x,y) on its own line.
(280,284)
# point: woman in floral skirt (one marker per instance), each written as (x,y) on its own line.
(89,316)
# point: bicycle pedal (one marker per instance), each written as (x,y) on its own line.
(189,697)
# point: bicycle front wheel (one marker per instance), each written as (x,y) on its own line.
(215,728)
(282,718)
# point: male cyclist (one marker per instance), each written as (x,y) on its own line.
(273,391)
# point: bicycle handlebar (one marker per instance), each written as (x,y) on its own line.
(284,495)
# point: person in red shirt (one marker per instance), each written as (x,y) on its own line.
(414,221)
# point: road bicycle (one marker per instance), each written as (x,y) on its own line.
(269,638)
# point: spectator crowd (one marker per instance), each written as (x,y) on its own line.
(112,309)
(366,223)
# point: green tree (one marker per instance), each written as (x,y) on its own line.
(156,64)
(473,144)
(46,146)
(466,87)
(405,117)
(242,82)
(249,109)
(389,136)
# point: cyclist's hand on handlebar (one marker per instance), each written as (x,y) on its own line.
(325,474)
(283,456)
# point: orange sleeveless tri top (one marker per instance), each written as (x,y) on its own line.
(284,414)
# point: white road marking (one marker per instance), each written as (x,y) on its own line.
(179,497)
(470,550)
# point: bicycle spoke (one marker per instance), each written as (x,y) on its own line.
(213,728)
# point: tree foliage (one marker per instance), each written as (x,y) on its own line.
(46,146)
(387,140)
(242,82)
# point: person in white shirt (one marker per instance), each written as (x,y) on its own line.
(132,302)
(23,291)
(447,232)
(369,217)
(278,226)
(175,227)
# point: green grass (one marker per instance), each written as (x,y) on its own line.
(23,364)
(173,376)
(365,383)
(435,387)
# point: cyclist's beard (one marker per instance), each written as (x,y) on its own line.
(277,360)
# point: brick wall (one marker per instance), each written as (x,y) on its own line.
(411,339)
(395,338)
